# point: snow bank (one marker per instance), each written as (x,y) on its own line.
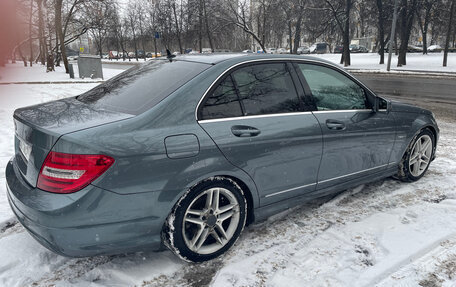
(17,73)
(431,62)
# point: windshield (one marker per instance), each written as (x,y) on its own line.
(142,87)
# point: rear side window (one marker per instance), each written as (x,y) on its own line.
(142,87)
(333,90)
(223,102)
(266,89)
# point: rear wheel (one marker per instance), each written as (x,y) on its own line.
(207,220)
(418,156)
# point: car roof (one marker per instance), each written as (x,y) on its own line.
(216,58)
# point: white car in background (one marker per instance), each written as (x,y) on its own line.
(434,49)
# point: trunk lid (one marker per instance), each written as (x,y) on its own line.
(37,129)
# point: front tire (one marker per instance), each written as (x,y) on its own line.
(207,220)
(418,156)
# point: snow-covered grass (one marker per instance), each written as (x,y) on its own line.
(386,233)
(17,73)
(431,62)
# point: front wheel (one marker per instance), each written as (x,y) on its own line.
(207,220)
(418,156)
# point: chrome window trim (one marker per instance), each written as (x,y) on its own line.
(343,111)
(304,61)
(254,117)
(327,180)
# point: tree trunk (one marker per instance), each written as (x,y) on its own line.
(177,28)
(200,30)
(57,52)
(290,38)
(58,27)
(297,39)
(381,31)
(346,52)
(448,35)
(30,33)
(208,31)
(134,38)
(406,28)
(41,33)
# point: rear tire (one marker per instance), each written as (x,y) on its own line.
(207,220)
(417,157)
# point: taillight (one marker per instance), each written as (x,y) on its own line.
(67,173)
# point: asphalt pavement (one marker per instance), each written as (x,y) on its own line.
(435,93)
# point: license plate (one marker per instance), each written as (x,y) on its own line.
(25,149)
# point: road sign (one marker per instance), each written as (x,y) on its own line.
(157,35)
(81,50)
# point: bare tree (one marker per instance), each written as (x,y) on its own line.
(448,35)
(408,11)
(424,14)
(238,14)
(340,9)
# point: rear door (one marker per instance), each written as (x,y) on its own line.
(356,140)
(256,116)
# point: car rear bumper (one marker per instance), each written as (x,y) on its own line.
(90,222)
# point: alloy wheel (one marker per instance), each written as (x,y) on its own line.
(420,156)
(211,220)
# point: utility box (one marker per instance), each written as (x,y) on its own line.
(90,67)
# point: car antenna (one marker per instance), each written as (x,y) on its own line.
(169,56)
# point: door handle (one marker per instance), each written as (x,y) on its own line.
(335,125)
(245,131)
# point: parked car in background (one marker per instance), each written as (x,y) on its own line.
(358,49)
(206,50)
(186,153)
(141,53)
(319,48)
(113,55)
(303,50)
(260,51)
(131,54)
(338,49)
(271,50)
(282,51)
(414,49)
(434,49)
(222,51)
(247,51)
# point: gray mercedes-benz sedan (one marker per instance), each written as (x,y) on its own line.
(185,152)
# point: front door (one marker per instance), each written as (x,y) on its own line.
(357,141)
(256,118)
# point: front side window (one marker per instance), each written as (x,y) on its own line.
(266,89)
(333,90)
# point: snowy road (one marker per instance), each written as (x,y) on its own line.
(386,233)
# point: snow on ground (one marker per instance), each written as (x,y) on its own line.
(386,233)
(17,73)
(415,62)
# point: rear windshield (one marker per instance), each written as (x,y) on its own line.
(142,87)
